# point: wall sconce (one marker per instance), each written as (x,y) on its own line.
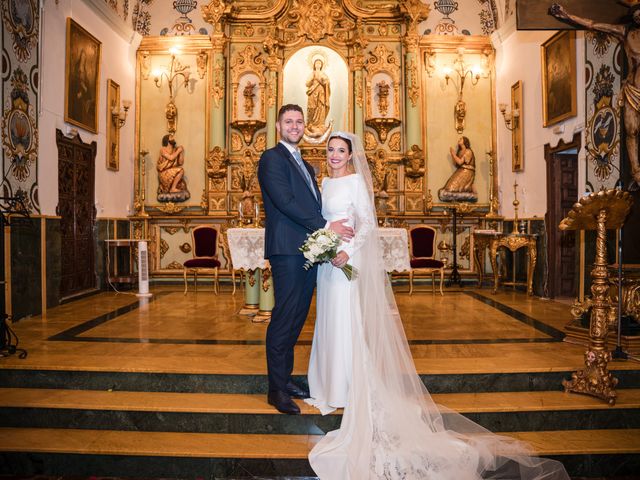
(172,76)
(461,71)
(119,115)
(175,70)
(511,119)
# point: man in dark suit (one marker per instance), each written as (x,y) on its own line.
(292,206)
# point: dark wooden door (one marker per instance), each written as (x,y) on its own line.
(76,180)
(562,193)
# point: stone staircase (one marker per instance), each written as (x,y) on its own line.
(134,424)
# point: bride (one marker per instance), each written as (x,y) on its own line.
(360,360)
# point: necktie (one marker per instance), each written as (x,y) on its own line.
(305,172)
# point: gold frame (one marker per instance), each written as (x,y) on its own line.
(113,132)
(517,135)
(82,42)
(563,46)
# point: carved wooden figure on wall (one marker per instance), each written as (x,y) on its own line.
(172,186)
(459,187)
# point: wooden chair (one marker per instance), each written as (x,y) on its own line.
(422,246)
(205,256)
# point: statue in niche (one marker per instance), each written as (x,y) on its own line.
(318,95)
(383,97)
(248,95)
(171,114)
(171,184)
(459,187)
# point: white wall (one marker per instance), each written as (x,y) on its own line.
(518,58)
(113,190)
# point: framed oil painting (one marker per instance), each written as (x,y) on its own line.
(517,137)
(113,132)
(82,77)
(559,77)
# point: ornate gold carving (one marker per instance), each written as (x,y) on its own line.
(383,29)
(412,80)
(248,30)
(175,266)
(370,141)
(171,114)
(171,230)
(260,143)
(214,12)
(236,142)
(217,162)
(218,83)
(251,277)
(248,128)
(138,230)
(583,215)
(201,62)
(382,126)
(185,247)
(380,170)
(248,93)
(359,94)
(272,46)
(247,173)
(315,19)
(465,249)
(170,208)
(415,11)
(395,142)
(430,61)
(428,205)
(204,202)
(164,247)
(266,276)
(465,208)
(358,43)
(247,60)
(580,308)
(217,202)
(414,162)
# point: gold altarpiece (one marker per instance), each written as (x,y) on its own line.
(399,90)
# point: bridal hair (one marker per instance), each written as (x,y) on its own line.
(289,107)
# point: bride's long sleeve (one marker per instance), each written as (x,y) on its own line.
(362,215)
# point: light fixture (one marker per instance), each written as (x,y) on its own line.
(458,74)
(512,118)
(119,115)
(172,73)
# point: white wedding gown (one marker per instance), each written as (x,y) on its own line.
(330,364)
(360,360)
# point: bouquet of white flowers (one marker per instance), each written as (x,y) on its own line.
(322,246)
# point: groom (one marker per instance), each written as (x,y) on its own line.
(292,206)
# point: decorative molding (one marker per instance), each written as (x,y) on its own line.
(117,24)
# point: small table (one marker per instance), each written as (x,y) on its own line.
(511,241)
(246,246)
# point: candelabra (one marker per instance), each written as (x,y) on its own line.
(462,71)
(172,74)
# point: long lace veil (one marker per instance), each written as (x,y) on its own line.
(391,428)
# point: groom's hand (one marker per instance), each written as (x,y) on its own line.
(345,231)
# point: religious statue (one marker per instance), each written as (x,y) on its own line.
(459,187)
(171,114)
(248,94)
(414,162)
(171,184)
(318,94)
(383,97)
(629,36)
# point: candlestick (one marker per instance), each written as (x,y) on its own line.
(516,203)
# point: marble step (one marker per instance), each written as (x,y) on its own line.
(27,451)
(239,413)
(252,383)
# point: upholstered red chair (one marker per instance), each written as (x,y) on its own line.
(205,256)
(422,246)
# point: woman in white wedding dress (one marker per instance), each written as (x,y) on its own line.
(391,429)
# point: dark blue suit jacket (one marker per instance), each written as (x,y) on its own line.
(292,211)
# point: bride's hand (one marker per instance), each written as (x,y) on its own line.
(340,259)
